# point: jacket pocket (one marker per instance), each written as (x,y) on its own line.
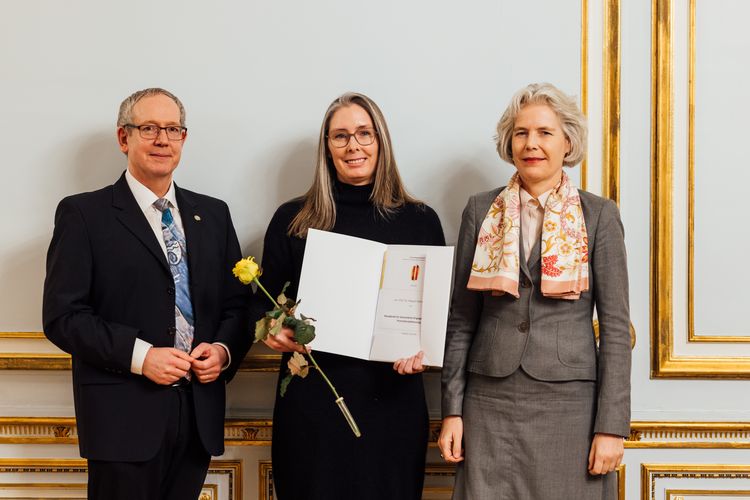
(575,345)
(484,340)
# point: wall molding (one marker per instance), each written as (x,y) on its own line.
(664,362)
(223,475)
(258,432)
(651,473)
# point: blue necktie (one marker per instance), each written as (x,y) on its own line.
(177,258)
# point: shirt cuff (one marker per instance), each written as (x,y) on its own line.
(229,355)
(140,349)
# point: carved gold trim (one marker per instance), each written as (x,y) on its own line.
(260,362)
(651,472)
(258,432)
(21,335)
(611,104)
(692,335)
(247,432)
(677,494)
(265,480)
(689,435)
(232,468)
(664,362)
(208,492)
(34,361)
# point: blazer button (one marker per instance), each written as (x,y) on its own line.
(523,327)
(170,290)
(172,331)
(525,283)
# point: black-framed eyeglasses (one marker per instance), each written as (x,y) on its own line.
(149,131)
(341,138)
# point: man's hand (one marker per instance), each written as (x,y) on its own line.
(410,366)
(451,437)
(208,360)
(166,365)
(606,453)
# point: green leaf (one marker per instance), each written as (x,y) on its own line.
(278,323)
(306,319)
(303,333)
(290,322)
(274,314)
(284,384)
(261,329)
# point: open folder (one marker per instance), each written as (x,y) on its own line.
(375,301)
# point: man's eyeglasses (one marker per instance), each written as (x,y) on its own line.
(174,132)
(341,138)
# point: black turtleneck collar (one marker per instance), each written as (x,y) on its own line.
(349,194)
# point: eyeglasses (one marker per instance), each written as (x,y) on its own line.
(174,132)
(341,138)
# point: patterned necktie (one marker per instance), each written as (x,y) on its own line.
(177,258)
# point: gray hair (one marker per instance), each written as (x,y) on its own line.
(126,108)
(573,121)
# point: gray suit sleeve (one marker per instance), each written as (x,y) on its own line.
(466,307)
(609,267)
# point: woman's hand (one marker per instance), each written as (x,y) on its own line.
(606,453)
(410,366)
(284,341)
(451,437)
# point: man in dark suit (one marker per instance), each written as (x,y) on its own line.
(139,290)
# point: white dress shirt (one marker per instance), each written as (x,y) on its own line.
(145,199)
(532,218)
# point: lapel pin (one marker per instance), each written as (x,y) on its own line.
(197,217)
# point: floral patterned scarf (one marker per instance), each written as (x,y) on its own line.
(565,252)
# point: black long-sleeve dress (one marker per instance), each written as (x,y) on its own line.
(315,454)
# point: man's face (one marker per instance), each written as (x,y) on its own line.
(152,161)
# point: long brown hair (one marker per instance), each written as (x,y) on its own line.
(319,210)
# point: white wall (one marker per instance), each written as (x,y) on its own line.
(256,78)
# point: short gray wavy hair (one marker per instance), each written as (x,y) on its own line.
(573,121)
(126,108)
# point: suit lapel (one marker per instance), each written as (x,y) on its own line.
(536,254)
(131,216)
(191,222)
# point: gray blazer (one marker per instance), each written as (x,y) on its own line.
(551,339)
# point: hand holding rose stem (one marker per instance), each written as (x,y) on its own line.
(283,314)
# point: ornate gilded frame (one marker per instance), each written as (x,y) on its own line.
(651,472)
(232,469)
(664,362)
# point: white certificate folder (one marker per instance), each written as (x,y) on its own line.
(375,301)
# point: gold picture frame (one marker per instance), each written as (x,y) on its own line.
(650,473)
(664,362)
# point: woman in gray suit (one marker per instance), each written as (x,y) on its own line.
(532,407)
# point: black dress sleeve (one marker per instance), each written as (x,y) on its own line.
(433,228)
(279,264)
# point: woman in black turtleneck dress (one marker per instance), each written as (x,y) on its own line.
(356,191)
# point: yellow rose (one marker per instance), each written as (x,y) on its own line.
(246,270)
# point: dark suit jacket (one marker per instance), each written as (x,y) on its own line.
(107,283)
(551,339)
